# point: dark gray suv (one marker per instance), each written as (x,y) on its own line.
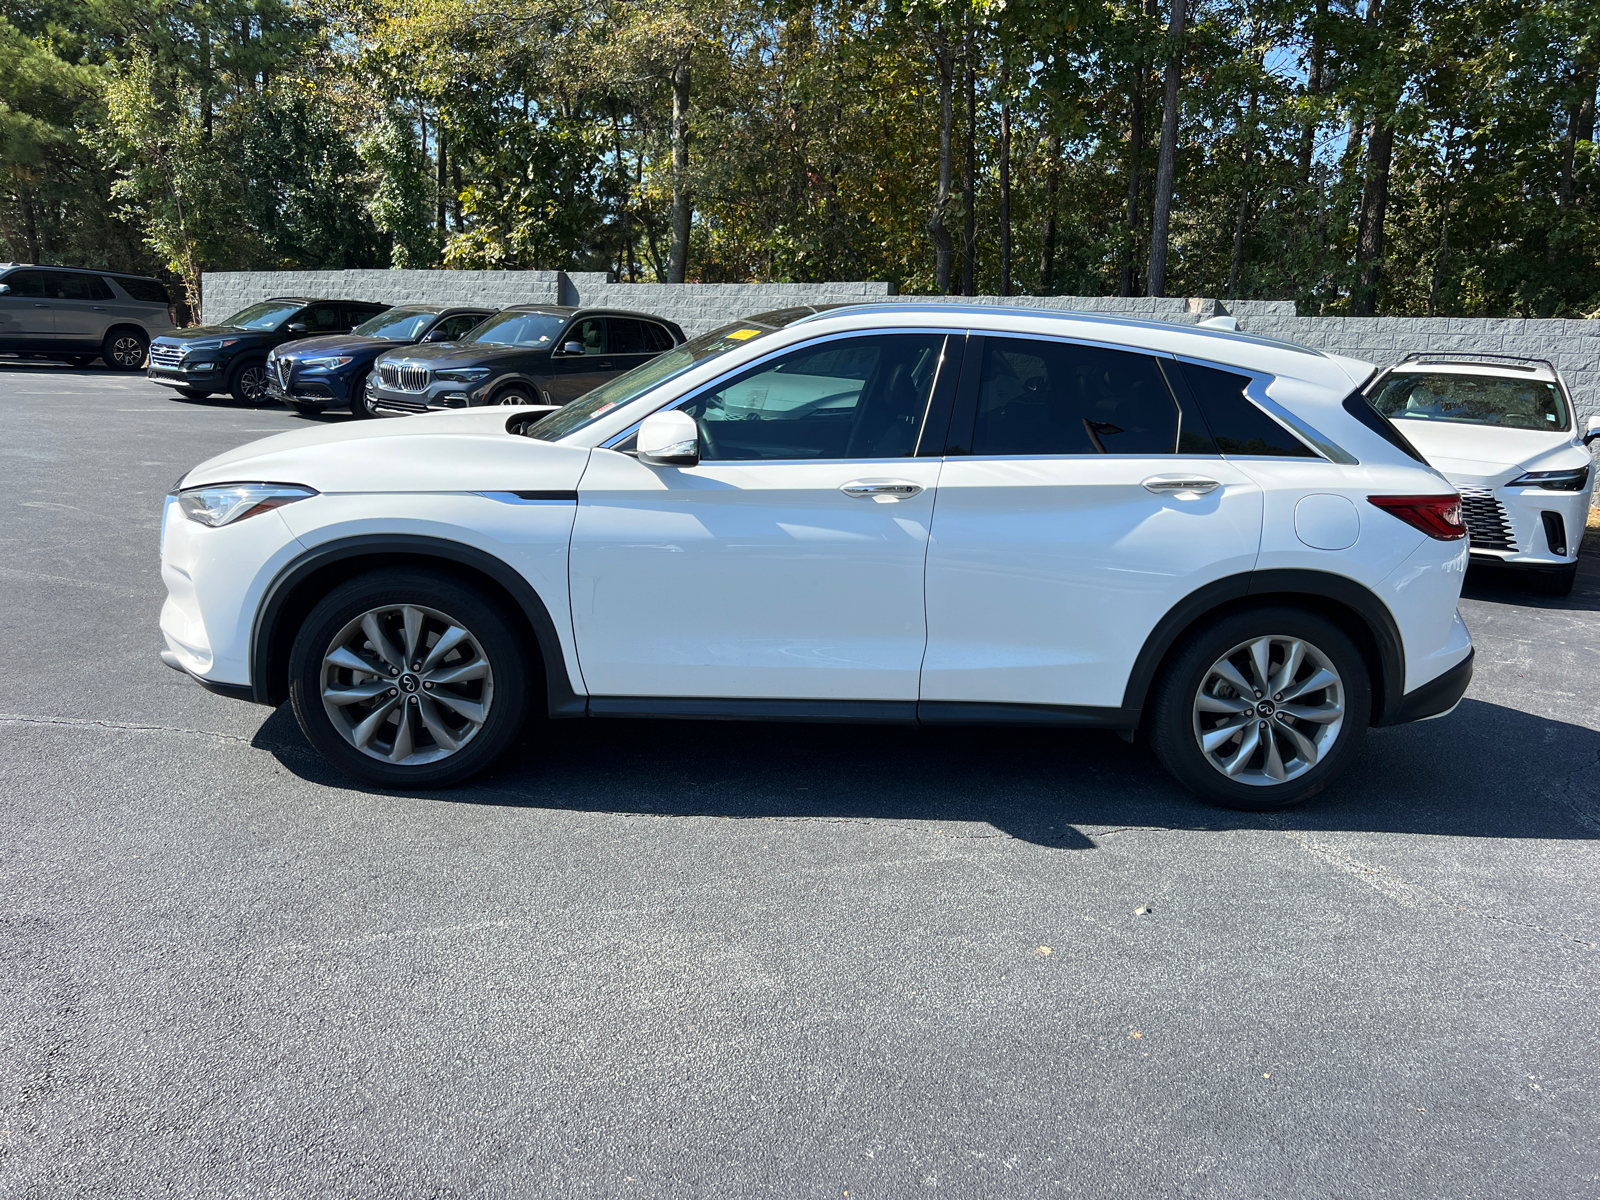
(78,316)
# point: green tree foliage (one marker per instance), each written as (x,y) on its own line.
(1389,156)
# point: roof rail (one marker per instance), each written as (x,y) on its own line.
(1515,361)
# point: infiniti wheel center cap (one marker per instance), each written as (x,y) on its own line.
(408,682)
(1265,708)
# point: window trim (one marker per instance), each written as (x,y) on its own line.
(929,411)
(1312,438)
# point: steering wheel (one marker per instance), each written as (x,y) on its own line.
(708,440)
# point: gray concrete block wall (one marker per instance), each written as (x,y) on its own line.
(1574,346)
(225,292)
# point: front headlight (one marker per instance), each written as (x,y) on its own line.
(463,375)
(225,503)
(1554,481)
(327,364)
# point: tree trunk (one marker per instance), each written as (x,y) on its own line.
(442,177)
(1005,188)
(1579,117)
(1238,245)
(1052,184)
(969,191)
(1128,280)
(455,189)
(205,78)
(30,228)
(1316,74)
(942,249)
(1440,260)
(678,255)
(1247,137)
(1369,233)
(1166,165)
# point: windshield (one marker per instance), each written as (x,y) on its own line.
(631,385)
(269,314)
(398,324)
(1473,400)
(518,329)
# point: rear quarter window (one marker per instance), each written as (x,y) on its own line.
(1360,407)
(146,291)
(1239,427)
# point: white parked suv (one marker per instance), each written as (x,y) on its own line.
(1502,430)
(892,513)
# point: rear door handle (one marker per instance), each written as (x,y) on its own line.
(97,308)
(1172,485)
(41,306)
(881,490)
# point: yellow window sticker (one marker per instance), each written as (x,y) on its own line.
(740,335)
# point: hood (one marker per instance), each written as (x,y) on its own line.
(193,332)
(475,353)
(463,451)
(1483,451)
(336,343)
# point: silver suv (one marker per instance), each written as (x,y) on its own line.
(79,316)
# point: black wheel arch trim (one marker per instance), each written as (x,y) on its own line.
(265,633)
(1289,582)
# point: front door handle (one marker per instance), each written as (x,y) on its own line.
(41,306)
(1178,485)
(881,490)
(97,308)
(605,364)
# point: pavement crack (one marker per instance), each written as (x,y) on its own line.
(1586,815)
(101,723)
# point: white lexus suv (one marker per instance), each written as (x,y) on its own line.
(891,513)
(1502,430)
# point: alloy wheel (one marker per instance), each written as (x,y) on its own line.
(252,382)
(406,685)
(127,352)
(1269,710)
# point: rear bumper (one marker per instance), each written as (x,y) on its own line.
(1438,696)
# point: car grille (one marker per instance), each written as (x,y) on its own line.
(166,356)
(1486,520)
(403,377)
(285,370)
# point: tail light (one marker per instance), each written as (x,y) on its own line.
(1437,516)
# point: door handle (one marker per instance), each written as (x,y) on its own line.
(41,306)
(1178,485)
(883,491)
(97,308)
(605,364)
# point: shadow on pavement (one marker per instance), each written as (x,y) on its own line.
(1486,771)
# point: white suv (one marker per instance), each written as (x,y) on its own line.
(891,513)
(1502,430)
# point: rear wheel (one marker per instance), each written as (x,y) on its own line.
(407,679)
(248,382)
(124,350)
(1262,709)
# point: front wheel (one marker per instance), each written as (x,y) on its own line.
(360,398)
(248,383)
(1263,709)
(514,396)
(407,679)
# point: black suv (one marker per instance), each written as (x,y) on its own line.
(531,354)
(232,356)
(331,372)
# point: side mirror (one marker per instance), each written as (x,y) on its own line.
(4,288)
(434,335)
(1593,432)
(296,326)
(669,439)
(572,348)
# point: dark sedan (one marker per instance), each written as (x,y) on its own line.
(331,372)
(531,354)
(232,356)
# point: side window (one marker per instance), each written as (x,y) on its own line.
(146,291)
(459,324)
(590,333)
(99,289)
(351,317)
(853,398)
(627,336)
(1238,425)
(657,338)
(321,318)
(68,287)
(26,283)
(1039,397)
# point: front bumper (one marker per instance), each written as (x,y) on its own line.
(438,398)
(183,376)
(1524,527)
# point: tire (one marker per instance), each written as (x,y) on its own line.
(247,382)
(1331,732)
(125,349)
(1558,582)
(514,395)
(358,398)
(488,709)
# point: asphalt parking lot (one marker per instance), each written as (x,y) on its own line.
(682,959)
